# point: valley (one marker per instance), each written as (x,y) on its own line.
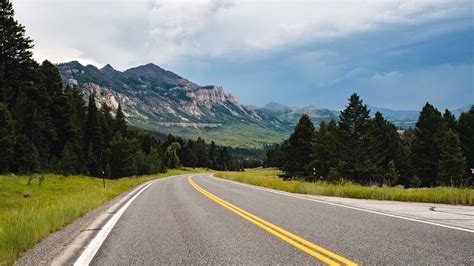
(161,101)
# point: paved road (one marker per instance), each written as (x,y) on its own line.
(172,222)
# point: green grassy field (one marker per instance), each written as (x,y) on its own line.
(269,178)
(239,135)
(29,213)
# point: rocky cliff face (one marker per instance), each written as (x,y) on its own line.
(150,94)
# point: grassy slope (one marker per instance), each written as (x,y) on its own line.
(53,204)
(269,178)
(238,135)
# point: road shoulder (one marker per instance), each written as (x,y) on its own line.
(457,216)
(61,247)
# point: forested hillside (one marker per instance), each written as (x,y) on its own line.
(364,150)
(46,127)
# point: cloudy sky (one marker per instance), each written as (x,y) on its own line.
(396,54)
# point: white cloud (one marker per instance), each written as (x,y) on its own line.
(127,33)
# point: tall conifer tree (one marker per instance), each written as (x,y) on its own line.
(324,149)
(425,147)
(93,138)
(385,146)
(355,162)
(452,163)
(449,121)
(120,121)
(298,150)
(16,63)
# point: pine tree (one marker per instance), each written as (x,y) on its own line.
(76,110)
(120,121)
(143,166)
(466,133)
(425,147)
(69,160)
(106,122)
(452,163)
(26,156)
(449,121)
(391,174)
(201,153)
(355,162)
(15,54)
(297,162)
(155,160)
(275,157)
(324,149)
(187,155)
(78,107)
(148,142)
(90,161)
(93,138)
(172,159)
(122,157)
(7,138)
(51,79)
(59,110)
(385,146)
(213,155)
(226,163)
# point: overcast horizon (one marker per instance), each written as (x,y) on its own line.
(394,54)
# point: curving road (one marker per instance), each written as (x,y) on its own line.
(201,220)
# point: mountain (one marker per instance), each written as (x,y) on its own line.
(160,100)
(408,118)
(276,107)
(457,112)
(286,117)
(401,118)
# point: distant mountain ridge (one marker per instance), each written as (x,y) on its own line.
(290,115)
(408,118)
(159,100)
(153,94)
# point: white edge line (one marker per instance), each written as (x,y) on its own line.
(345,206)
(91,249)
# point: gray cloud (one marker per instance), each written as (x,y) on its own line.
(126,33)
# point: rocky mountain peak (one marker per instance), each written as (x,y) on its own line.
(155,75)
(276,107)
(151,94)
(108,68)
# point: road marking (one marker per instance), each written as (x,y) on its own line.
(312,249)
(346,206)
(91,249)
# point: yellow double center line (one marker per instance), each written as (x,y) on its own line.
(312,249)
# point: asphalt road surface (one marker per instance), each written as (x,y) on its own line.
(205,220)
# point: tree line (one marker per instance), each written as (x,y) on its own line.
(439,151)
(45,127)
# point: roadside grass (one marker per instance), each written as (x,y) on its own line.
(269,178)
(29,213)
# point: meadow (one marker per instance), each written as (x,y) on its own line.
(269,178)
(31,208)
